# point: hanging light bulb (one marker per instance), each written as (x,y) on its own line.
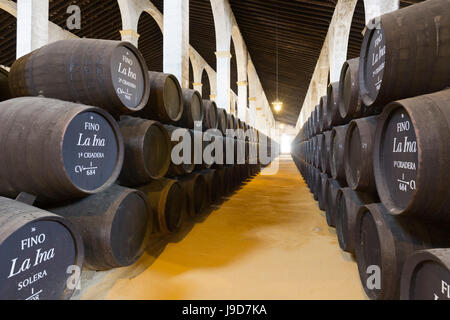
(277,106)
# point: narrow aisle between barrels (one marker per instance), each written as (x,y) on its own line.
(269,240)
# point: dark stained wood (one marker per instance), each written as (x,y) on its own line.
(80,145)
(115,226)
(147,151)
(411,155)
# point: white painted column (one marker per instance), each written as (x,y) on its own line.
(199,87)
(242,100)
(32,25)
(130,36)
(176,40)
(223,79)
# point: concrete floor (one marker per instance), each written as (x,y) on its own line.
(268,241)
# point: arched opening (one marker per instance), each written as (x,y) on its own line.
(150,42)
(191,75)
(99,19)
(206,88)
(233,69)
(357,26)
(8,27)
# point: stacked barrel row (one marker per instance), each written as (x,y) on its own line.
(376,154)
(87,178)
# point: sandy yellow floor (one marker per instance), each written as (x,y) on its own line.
(268,241)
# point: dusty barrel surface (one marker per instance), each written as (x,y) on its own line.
(426,276)
(82,147)
(195,188)
(222,120)
(348,203)
(181,140)
(317,182)
(147,151)
(109,74)
(115,226)
(331,208)
(318,155)
(166,99)
(323,117)
(323,191)
(212,186)
(358,154)
(336,157)
(37,249)
(395,63)
(210,117)
(350,106)
(411,156)
(5,92)
(316,119)
(168,203)
(382,244)
(192,109)
(326,152)
(333,116)
(230,121)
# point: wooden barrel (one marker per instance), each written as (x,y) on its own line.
(147,151)
(333,116)
(5,92)
(337,154)
(350,106)
(212,185)
(212,142)
(230,121)
(195,188)
(323,117)
(326,151)
(319,117)
(316,119)
(358,154)
(166,100)
(210,117)
(115,226)
(181,140)
(330,205)
(228,180)
(192,109)
(168,203)
(382,244)
(311,132)
(80,145)
(224,180)
(316,182)
(319,147)
(109,74)
(323,191)
(240,124)
(222,120)
(426,275)
(411,156)
(395,64)
(348,203)
(39,251)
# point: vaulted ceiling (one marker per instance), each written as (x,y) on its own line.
(302,27)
